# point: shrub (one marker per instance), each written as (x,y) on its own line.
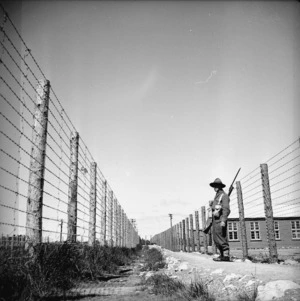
(154,259)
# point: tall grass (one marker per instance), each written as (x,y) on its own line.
(55,268)
(164,285)
(153,258)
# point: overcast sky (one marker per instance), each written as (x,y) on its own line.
(169,95)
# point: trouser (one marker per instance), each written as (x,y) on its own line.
(219,234)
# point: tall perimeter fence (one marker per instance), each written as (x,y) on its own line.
(51,188)
(271,190)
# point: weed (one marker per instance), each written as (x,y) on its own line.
(247,296)
(55,268)
(164,285)
(154,259)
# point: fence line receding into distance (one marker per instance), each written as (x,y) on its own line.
(51,189)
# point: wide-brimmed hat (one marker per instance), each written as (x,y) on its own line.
(217,183)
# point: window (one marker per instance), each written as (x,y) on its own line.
(232,231)
(295,229)
(254,231)
(276,230)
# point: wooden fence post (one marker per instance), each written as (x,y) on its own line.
(105,213)
(183,235)
(73,185)
(93,197)
(192,233)
(188,242)
(197,231)
(243,231)
(269,213)
(124,229)
(180,236)
(111,202)
(116,222)
(37,163)
(203,215)
(119,225)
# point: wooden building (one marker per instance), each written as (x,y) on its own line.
(287,232)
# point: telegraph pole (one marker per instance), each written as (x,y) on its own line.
(171,216)
(61,229)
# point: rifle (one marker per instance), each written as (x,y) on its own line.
(209,221)
(231,186)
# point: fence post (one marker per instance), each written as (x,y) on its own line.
(171,233)
(180,237)
(192,233)
(183,235)
(111,218)
(123,228)
(188,243)
(269,213)
(73,185)
(116,222)
(203,215)
(197,231)
(37,163)
(177,238)
(119,225)
(105,212)
(242,219)
(93,196)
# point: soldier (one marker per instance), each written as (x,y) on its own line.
(220,212)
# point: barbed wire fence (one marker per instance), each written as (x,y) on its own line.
(39,199)
(269,191)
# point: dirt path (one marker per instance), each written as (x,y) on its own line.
(126,288)
(225,279)
(264,272)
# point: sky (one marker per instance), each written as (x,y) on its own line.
(169,95)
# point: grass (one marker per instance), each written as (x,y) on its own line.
(55,268)
(166,286)
(153,258)
(196,290)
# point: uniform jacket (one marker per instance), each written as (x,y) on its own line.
(224,204)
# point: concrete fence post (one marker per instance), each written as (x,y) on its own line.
(37,163)
(197,231)
(188,242)
(93,198)
(243,231)
(192,233)
(269,213)
(203,215)
(73,186)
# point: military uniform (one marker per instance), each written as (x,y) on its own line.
(219,233)
(220,211)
